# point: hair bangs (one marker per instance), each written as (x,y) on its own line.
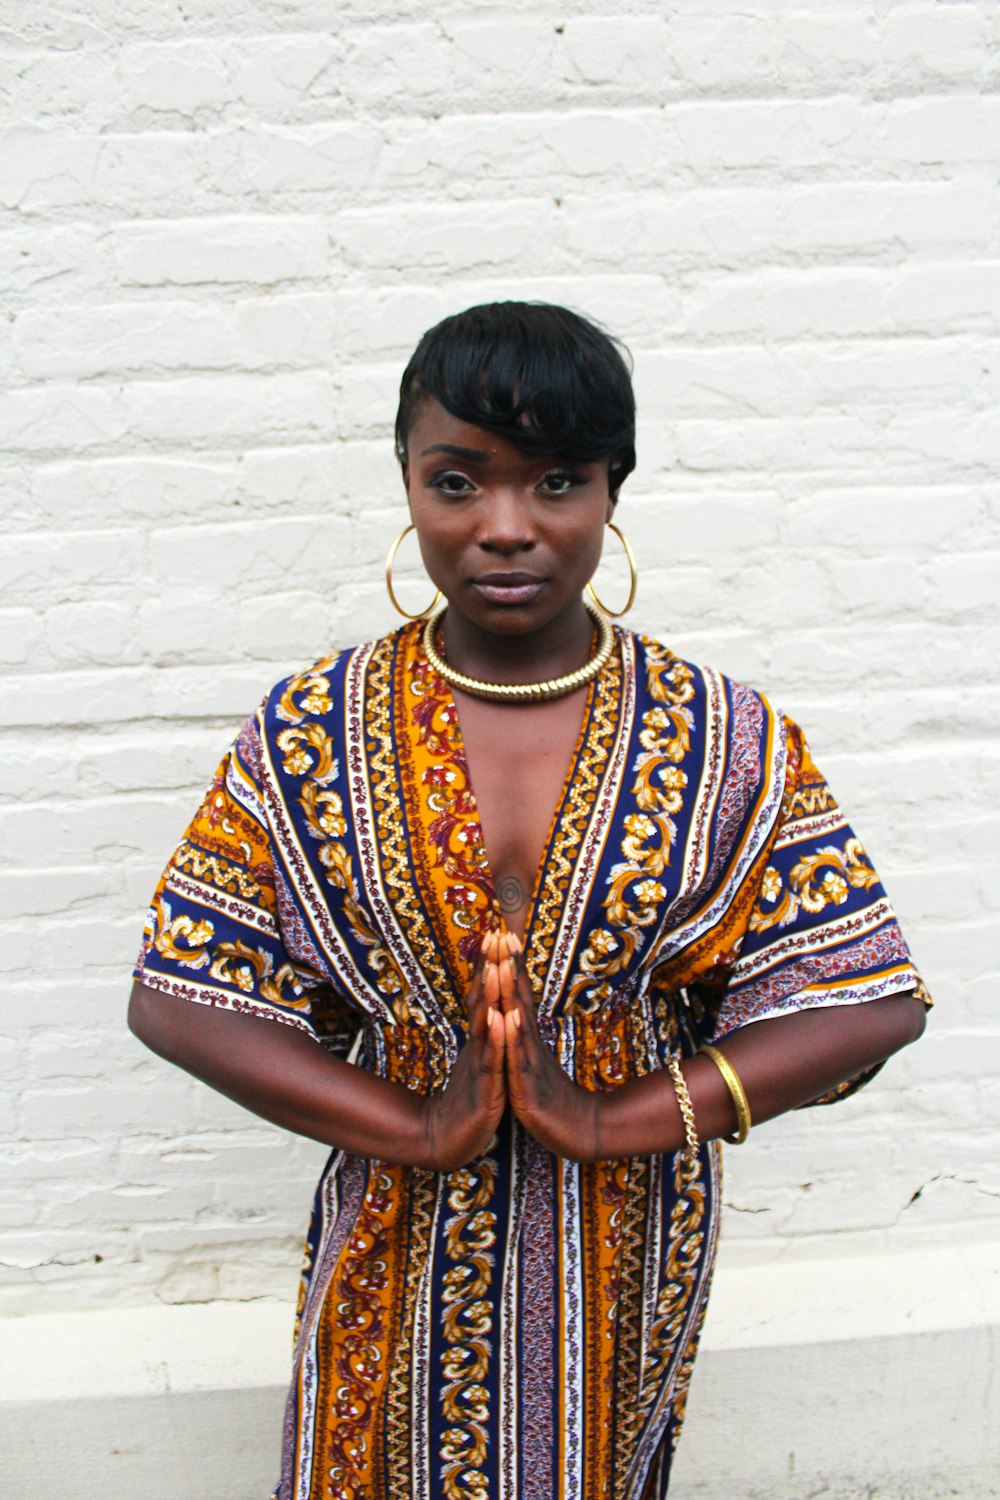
(544,377)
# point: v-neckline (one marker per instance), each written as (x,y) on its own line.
(452,880)
(579,746)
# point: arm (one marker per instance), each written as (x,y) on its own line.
(782,1063)
(284,1076)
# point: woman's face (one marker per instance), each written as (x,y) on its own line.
(510,539)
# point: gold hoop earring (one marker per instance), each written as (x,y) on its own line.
(388,579)
(616,614)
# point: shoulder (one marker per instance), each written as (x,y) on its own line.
(301,727)
(725,723)
(315,690)
(308,702)
(662,674)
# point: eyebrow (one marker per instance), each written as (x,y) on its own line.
(474,455)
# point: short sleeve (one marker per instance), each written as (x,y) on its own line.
(821,929)
(213,932)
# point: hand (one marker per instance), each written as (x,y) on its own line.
(562,1117)
(461,1120)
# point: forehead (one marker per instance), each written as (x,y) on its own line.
(434,425)
(435,428)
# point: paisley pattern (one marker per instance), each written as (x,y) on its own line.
(525,1327)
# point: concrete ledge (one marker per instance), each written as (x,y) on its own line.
(186,1445)
(860,1377)
(907,1418)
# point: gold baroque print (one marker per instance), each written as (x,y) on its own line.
(682,1384)
(409,1310)
(441,839)
(454,831)
(590,757)
(424,1187)
(171,932)
(252,969)
(360,1344)
(308,757)
(221,874)
(812,796)
(308,693)
(308,747)
(822,879)
(659,785)
(679,1274)
(628,1377)
(635,892)
(384,740)
(467,1325)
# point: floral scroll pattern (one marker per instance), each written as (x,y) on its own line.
(470,1235)
(822,879)
(525,1326)
(635,893)
(308,757)
(453,829)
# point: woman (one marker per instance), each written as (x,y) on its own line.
(546,913)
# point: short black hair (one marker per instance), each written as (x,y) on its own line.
(547,379)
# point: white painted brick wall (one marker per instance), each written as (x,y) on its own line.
(222,228)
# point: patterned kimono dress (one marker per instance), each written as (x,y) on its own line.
(523,1328)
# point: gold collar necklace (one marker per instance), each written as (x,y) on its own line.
(524,692)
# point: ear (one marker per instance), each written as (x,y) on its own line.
(613,488)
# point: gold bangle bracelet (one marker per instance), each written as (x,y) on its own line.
(736,1091)
(686,1107)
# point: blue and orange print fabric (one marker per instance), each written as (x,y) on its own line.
(525,1326)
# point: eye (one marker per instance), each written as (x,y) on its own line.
(450,482)
(561,481)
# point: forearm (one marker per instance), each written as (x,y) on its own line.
(284,1076)
(782,1063)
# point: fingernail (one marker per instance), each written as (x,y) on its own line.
(490,1013)
(514,943)
(517,1019)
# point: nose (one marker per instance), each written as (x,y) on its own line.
(506,524)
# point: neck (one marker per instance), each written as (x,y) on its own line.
(564,645)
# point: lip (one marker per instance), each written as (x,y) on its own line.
(508,588)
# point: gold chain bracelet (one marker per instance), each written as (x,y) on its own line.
(686,1107)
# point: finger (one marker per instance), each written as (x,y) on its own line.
(508,982)
(533,1046)
(514,1038)
(496,1033)
(491,1060)
(518,957)
(524,995)
(474,994)
(491,984)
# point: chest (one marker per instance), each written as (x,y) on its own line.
(518,759)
